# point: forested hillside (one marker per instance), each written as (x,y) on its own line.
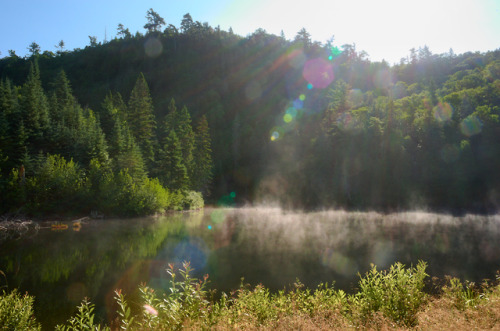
(255,119)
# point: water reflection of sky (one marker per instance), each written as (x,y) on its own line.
(263,245)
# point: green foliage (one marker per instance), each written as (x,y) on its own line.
(343,148)
(463,295)
(397,293)
(140,117)
(16,312)
(83,320)
(201,171)
(171,168)
(193,200)
(58,186)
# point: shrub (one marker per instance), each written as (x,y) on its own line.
(397,293)
(193,200)
(16,312)
(58,186)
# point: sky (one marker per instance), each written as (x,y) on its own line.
(385,29)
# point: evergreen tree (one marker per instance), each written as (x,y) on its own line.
(12,136)
(155,21)
(186,136)
(172,170)
(129,154)
(201,174)
(186,23)
(123,32)
(141,118)
(34,49)
(34,109)
(112,109)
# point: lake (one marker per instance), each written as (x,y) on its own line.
(60,266)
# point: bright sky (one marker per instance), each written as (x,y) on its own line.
(385,29)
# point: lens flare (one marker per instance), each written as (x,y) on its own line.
(287,118)
(335,52)
(471,126)
(443,112)
(150,310)
(193,250)
(318,72)
(292,112)
(310,86)
(298,104)
(276,133)
(153,47)
(302,97)
(356,97)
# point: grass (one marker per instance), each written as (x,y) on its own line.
(388,299)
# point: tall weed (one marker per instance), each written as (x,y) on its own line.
(16,312)
(397,293)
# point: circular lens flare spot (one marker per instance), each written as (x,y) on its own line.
(318,72)
(443,112)
(302,97)
(310,86)
(287,118)
(471,126)
(153,47)
(298,104)
(335,52)
(276,133)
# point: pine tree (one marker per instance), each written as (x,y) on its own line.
(14,139)
(180,122)
(141,118)
(34,109)
(186,136)
(171,118)
(129,155)
(201,175)
(172,170)
(112,109)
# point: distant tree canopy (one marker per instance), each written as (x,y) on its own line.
(295,121)
(155,21)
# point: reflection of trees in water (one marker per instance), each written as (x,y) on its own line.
(61,268)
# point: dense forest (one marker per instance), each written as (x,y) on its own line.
(152,121)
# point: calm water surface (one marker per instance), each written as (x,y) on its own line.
(263,245)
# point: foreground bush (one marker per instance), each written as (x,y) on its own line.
(16,312)
(397,293)
(386,300)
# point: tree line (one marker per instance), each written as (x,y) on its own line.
(421,133)
(58,157)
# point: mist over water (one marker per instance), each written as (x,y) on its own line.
(265,245)
(276,247)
